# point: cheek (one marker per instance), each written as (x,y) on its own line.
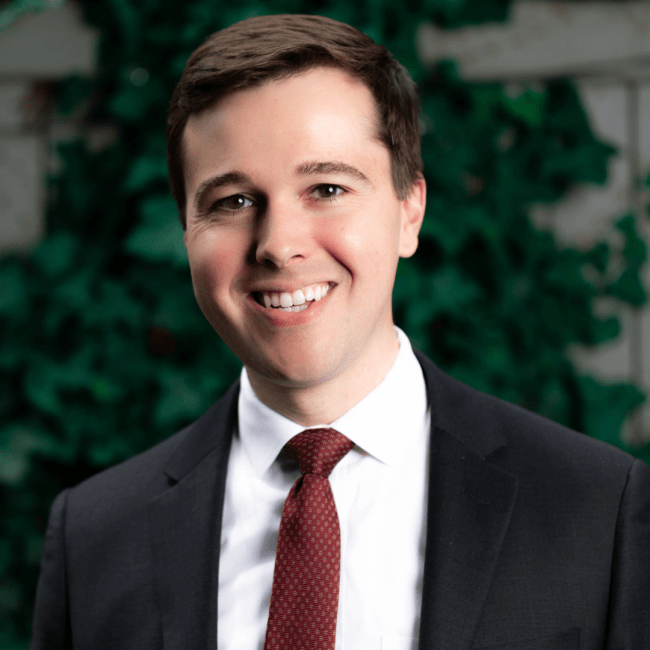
(215,263)
(368,246)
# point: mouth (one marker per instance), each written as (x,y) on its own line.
(294,301)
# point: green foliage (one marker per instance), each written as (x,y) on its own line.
(103,350)
(505,301)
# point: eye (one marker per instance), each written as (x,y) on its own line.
(328,192)
(233,203)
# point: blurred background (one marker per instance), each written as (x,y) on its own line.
(530,282)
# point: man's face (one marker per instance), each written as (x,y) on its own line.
(290,198)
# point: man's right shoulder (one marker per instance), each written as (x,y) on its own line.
(129,486)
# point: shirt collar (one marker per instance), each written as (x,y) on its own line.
(383,424)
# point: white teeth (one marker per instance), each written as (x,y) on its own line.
(285,300)
(296,300)
(294,308)
(298,297)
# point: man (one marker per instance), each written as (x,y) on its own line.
(440,518)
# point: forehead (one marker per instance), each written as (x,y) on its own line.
(314,82)
(323,111)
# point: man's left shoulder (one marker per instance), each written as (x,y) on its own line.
(520,441)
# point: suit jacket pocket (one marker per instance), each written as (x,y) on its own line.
(568,641)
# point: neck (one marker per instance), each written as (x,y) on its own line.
(326,401)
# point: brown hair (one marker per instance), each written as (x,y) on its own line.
(264,48)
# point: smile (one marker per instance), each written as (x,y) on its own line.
(292,301)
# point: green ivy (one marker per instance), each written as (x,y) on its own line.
(103,351)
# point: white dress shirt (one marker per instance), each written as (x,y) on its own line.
(380,490)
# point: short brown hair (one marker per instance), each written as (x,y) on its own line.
(264,48)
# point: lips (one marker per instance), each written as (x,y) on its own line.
(296,300)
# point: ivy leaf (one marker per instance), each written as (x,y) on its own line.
(450,290)
(629,288)
(606,407)
(599,256)
(159,238)
(178,399)
(529,106)
(145,170)
(17,444)
(605,329)
(13,291)
(56,254)
(634,251)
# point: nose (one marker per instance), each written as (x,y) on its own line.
(282,236)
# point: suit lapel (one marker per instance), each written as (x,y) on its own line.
(469,505)
(469,508)
(185,530)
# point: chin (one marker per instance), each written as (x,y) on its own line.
(302,372)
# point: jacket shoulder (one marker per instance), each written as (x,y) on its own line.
(131,484)
(523,441)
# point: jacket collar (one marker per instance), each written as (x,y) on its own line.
(469,505)
(461,411)
(209,434)
(185,529)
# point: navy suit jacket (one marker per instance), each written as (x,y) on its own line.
(538,538)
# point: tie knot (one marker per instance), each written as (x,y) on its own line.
(319,450)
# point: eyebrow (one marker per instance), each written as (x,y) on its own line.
(333,167)
(229,178)
(311,168)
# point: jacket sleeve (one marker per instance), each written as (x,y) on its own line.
(628,625)
(51,628)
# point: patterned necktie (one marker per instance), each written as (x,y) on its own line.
(305,594)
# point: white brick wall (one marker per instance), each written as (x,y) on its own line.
(545,39)
(37,48)
(21,189)
(48,45)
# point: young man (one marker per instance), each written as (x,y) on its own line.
(423,514)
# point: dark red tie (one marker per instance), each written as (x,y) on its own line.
(305,595)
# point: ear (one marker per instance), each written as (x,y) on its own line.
(412,211)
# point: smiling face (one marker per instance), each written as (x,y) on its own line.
(294,232)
